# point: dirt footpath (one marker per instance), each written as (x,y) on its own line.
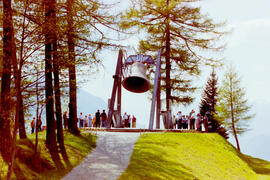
(108,160)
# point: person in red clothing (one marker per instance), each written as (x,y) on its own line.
(133,121)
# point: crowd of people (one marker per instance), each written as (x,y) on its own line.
(33,125)
(100,119)
(192,121)
(129,121)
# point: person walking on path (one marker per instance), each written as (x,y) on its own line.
(97,118)
(103,118)
(33,125)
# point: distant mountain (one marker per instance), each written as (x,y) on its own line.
(257,146)
(88,103)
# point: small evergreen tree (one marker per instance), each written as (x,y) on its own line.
(232,108)
(208,103)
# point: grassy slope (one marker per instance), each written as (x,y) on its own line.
(40,166)
(191,156)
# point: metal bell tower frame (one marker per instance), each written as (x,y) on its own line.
(116,88)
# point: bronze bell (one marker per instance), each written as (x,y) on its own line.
(136,81)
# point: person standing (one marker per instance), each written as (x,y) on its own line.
(33,125)
(81,120)
(90,120)
(85,122)
(205,122)
(179,119)
(103,118)
(39,123)
(186,121)
(198,122)
(191,119)
(174,121)
(129,121)
(133,121)
(65,120)
(97,118)
(126,119)
(94,121)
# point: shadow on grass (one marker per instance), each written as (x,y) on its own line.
(26,158)
(31,165)
(260,166)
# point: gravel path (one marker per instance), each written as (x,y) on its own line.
(108,160)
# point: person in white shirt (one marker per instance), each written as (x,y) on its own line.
(129,121)
(192,119)
(126,119)
(81,120)
(198,122)
(179,119)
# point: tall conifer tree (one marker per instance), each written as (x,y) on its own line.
(208,103)
(179,28)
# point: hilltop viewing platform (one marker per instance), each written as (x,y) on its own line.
(140,130)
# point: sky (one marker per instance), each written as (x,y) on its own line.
(247,49)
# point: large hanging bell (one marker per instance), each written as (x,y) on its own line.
(136,81)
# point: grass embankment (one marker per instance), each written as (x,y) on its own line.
(191,156)
(29,165)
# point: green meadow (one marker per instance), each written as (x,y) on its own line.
(191,156)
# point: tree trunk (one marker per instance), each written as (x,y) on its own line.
(5,136)
(16,75)
(168,63)
(72,124)
(50,135)
(60,136)
(22,131)
(232,114)
(37,110)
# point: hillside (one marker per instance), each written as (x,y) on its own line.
(29,165)
(191,156)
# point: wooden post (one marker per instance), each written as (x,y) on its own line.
(116,84)
(158,104)
(154,96)
(119,96)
